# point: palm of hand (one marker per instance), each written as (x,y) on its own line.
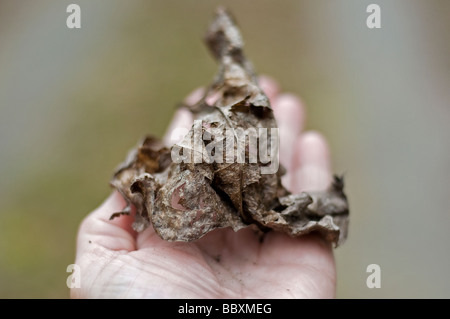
(118,263)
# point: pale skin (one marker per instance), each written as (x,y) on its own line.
(117,262)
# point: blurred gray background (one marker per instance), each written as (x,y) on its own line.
(72,102)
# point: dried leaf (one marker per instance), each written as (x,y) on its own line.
(216,177)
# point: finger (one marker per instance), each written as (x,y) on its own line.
(180,125)
(182,120)
(194,96)
(290,115)
(312,163)
(270,87)
(98,230)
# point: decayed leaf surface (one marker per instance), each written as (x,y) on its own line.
(184,200)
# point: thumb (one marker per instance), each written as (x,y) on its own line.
(97,230)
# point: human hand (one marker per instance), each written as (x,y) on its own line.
(117,262)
